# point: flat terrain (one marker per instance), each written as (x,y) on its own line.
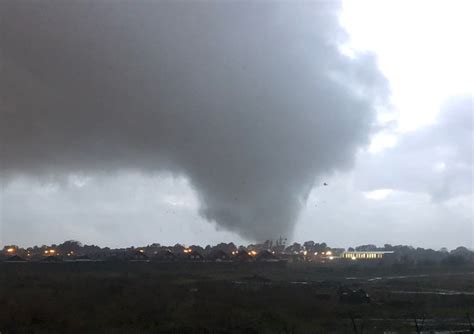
(232,298)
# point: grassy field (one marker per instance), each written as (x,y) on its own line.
(231,298)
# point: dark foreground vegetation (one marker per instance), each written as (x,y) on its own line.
(229,297)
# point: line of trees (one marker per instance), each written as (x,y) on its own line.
(406,254)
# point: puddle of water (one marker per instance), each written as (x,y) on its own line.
(378,278)
(440,293)
(454,323)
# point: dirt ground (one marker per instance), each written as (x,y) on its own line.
(233,298)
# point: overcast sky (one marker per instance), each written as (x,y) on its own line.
(202,122)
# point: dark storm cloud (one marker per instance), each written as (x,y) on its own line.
(250,100)
(437,159)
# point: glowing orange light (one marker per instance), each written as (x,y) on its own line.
(305,253)
(253,253)
(10,250)
(142,251)
(328,253)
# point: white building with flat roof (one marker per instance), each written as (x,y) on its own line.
(365,255)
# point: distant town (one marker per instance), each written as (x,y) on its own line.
(269,251)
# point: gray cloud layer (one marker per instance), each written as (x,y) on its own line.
(437,159)
(250,101)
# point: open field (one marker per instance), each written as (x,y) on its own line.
(231,298)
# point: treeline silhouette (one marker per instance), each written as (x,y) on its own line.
(307,251)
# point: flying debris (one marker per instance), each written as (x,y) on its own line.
(325,184)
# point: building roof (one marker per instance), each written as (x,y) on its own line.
(15,258)
(194,255)
(242,255)
(139,256)
(165,255)
(52,259)
(372,252)
(266,256)
(218,254)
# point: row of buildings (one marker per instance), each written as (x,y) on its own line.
(188,254)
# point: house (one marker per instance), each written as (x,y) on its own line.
(52,259)
(193,255)
(291,257)
(218,255)
(165,256)
(365,255)
(243,256)
(266,256)
(139,256)
(15,259)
